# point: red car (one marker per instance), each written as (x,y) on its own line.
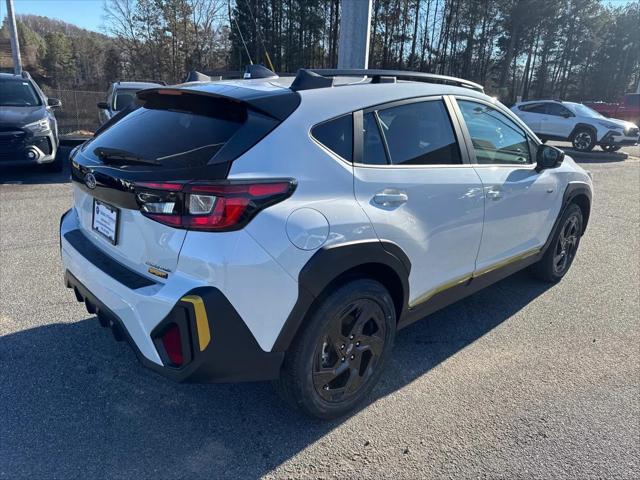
(628,109)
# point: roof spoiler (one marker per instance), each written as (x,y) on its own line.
(307,78)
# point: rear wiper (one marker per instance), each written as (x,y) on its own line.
(115,155)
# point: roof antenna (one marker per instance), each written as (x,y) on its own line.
(240,32)
(258,31)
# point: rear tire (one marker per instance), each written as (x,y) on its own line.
(559,256)
(338,357)
(583,140)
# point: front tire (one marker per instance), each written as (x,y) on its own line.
(560,254)
(583,140)
(337,359)
(610,148)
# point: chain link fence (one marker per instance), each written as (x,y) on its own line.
(79,112)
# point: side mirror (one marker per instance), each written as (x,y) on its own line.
(567,115)
(548,157)
(54,102)
(103,105)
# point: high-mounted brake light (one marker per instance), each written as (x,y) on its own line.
(210,206)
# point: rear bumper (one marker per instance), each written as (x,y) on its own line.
(231,354)
(141,311)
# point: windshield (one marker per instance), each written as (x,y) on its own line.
(584,111)
(18,93)
(124,98)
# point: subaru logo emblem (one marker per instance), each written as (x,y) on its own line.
(90,181)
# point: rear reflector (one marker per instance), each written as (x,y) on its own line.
(172,342)
(213,206)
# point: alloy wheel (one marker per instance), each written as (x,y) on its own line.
(350,350)
(582,141)
(566,245)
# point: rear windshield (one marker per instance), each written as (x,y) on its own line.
(124,98)
(174,130)
(18,93)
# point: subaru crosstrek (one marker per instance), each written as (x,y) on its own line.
(28,127)
(266,229)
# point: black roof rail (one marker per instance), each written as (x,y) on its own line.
(386,76)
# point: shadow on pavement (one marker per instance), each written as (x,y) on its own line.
(596,156)
(76,403)
(36,174)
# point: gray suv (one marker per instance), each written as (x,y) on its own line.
(28,127)
(120,96)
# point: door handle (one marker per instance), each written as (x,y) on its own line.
(494,194)
(390,197)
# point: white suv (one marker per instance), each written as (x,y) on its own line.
(263,229)
(583,127)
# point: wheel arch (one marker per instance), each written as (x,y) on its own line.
(583,126)
(580,194)
(335,265)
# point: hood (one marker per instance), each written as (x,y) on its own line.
(619,123)
(20,116)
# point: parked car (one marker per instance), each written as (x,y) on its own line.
(628,108)
(28,127)
(120,96)
(583,127)
(267,229)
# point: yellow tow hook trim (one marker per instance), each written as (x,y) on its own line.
(202,322)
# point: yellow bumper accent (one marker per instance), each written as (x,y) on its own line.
(202,322)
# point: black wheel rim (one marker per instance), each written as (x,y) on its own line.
(566,245)
(349,352)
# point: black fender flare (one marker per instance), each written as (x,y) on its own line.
(583,126)
(328,264)
(573,190)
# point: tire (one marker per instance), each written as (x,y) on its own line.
(610,148)
(337,359)
(583,139)
(559,256)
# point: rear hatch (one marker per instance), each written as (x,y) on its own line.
(130,181)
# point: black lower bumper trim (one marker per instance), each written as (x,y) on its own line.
(232,355)
(104,262)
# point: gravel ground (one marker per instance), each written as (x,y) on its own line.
(518,381)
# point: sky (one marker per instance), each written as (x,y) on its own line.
(83,13)
(88,13)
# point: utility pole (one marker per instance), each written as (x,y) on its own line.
(355,26)
(15,44)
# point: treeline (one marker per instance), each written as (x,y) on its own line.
(570,49)
(61,55)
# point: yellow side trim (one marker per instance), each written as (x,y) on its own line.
(202,322)
(466,278)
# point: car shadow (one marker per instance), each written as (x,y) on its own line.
(36,174)
(595,156)
(76,403)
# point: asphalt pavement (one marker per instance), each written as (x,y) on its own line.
(521,380)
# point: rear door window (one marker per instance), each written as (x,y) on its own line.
(373,151)
(336,135)
(182,130)
(420,133)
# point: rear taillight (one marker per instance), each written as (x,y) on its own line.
(212,206)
